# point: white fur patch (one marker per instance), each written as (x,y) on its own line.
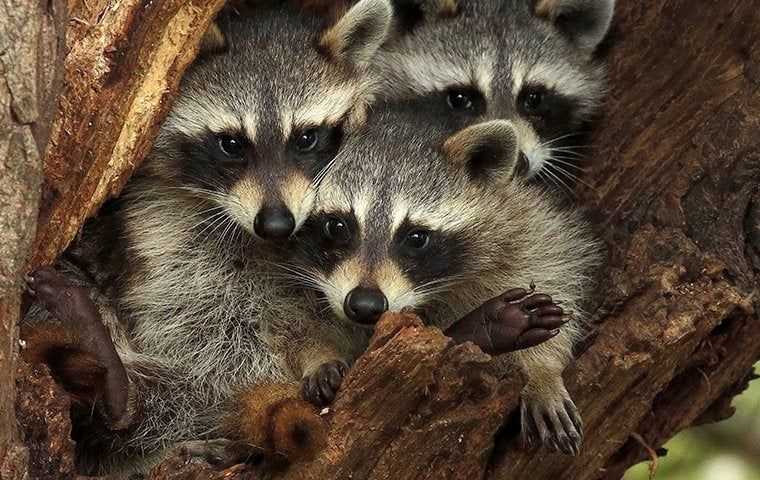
(398,290)
(245,200)
(530,144)
(297,195)
(326,108)
(345,278)
(332,199)
(399,212)
(427,72)
(194,118)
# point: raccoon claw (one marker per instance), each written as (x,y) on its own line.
(219,452)
(515,320)
(557,425)
(91,363)
(319,387)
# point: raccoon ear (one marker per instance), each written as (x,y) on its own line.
(359,33)
(410,13)
(213,40)
(486,149)
(585,22)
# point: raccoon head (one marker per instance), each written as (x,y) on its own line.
(403,219)
(528,61)
(261,113)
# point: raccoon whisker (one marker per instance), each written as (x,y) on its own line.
(568,153)
(560,171)
(554,140)
(230,228)
(205,193)
(574,177)
(304,276)
(559,182)
(213,220)
(319,177)
(546,175)
(207,218)
(573,147)
(568,162)
(222,223)
(323,173)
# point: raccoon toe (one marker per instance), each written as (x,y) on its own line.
(219,452)
(514,294)
(320,387)
(55,292)
(555,424)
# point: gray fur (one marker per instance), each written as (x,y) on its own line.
(493,46)
(204,309)
(510,234)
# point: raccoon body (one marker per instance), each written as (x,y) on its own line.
(203,313)
(527,61)
(431,215)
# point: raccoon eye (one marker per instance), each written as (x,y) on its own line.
(231,147)
(307,140)
(532,101)
(336,230)
(459,100)
(417,240)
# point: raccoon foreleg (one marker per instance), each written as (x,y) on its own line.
(515,320)
(518,320)
(75,344)
(548,414)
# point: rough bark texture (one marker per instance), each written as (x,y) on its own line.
(124,61)
(673,189)
(31,33)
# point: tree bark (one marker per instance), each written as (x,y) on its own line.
(124,62)
(31,34)
(673,187)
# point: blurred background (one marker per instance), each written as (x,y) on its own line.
(729,450)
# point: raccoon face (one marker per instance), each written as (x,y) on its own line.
(379,240)
(527,61)
(261,114)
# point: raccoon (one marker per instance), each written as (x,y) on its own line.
(203,315)
(429,215)
(528,61)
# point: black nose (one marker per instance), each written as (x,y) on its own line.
(365,305)
(274,223)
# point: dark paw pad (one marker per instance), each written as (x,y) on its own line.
(515,320)
(319,388)
(59,295)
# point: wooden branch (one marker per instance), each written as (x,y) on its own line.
(125,60)
(31,35)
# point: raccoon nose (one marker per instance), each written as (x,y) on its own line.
(365,305)
(274,223)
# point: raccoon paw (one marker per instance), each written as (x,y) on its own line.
(78,348)
(515,320)
(219,452)
(555,423)
(61,297)
(319,387)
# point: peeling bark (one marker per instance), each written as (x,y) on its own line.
(30,57)
(124,61)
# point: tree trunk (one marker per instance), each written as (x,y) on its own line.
(124,61)
(31,33)
(673,188)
